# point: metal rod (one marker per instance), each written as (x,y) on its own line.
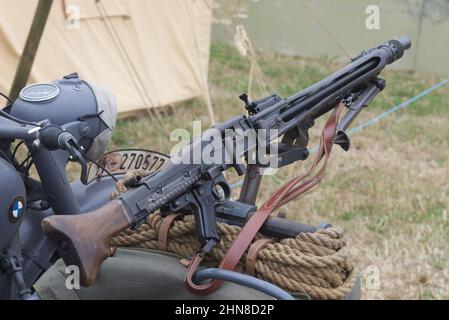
(419,32)
(273,227)
(31,46)
(251,185)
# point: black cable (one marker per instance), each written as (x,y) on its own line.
(24,162)
(17,120)
(5,156)
(102,167)
(17,149)
(6,97)
(12,118)
(28,168)
(90,116)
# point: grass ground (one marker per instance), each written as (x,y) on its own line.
(390,192)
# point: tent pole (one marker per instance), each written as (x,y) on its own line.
(203,75)
(32,44)
(419,32)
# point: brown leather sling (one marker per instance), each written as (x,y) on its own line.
(284,195)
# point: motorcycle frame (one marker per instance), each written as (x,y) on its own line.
(33,249)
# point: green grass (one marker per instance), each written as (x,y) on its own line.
(390,192)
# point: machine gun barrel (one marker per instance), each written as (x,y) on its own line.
(321,97)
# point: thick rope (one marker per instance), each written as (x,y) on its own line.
(316,264)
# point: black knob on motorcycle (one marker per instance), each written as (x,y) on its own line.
(53,137)
(49,137)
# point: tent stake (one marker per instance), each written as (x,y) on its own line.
(32,44)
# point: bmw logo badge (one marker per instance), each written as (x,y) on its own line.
(16,210)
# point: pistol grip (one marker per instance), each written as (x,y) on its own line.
(204,211)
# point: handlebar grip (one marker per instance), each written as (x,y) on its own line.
(85,240)
(49,137)
(53,137)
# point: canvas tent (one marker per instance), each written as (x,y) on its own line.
(150,53)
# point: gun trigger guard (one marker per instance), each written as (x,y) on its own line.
(201,202)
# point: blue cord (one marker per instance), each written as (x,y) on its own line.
(398,107)
(243,280)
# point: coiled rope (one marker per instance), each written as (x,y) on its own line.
(315,264)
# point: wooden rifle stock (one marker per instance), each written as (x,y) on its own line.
(85,240)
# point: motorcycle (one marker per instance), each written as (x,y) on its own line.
(80,119)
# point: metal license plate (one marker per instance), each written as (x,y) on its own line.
(122,161)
